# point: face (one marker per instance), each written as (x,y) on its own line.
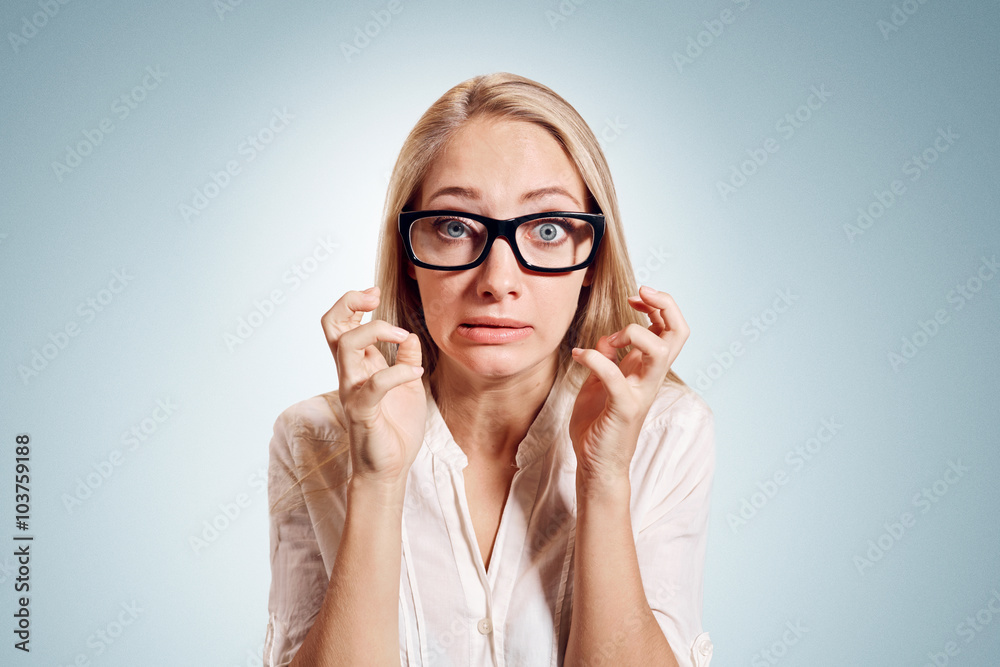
(501,169)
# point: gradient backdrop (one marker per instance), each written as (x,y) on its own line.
(189,186)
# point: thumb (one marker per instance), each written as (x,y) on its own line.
(409,351)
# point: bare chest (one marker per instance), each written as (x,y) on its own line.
(486,489)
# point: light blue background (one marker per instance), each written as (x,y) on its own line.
(671,134)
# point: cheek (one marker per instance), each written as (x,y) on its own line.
(438,297)
(557,309)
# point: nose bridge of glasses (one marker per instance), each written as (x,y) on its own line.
(506,236)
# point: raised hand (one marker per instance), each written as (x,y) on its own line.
(615,398)
(386,407)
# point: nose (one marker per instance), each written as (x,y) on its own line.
(500,273)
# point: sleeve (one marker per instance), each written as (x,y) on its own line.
(671,540)
(298,576)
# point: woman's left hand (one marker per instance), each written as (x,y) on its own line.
(615,398)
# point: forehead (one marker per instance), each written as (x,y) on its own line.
(501,159)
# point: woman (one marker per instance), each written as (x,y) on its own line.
(509,473)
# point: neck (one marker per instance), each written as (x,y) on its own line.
(487,416)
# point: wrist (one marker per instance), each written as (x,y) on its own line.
(376,493)
(603,488)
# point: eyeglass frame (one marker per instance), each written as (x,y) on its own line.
(497,228)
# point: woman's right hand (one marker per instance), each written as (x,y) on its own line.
(386,407)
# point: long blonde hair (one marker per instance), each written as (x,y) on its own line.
(603,305)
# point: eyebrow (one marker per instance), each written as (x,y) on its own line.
(474,194)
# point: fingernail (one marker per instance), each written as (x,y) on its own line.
(417,370)
(396,331)
(369,290)
(612,337)
(576,351)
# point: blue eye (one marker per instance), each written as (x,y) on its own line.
(548,231)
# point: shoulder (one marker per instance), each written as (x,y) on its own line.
(678,434)
(319,419)
(678,404)
(674,462)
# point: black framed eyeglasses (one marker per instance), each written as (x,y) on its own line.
(550,242)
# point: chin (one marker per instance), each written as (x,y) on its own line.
(492,362)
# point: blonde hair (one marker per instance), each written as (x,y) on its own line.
(603,305)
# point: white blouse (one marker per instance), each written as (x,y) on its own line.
(452,611)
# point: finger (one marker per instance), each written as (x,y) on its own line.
(358,344)
(380,383)
(346,314)
(671,313)
(655,350)
(409,351)
(609,375)
(606,348)
(357,339)
(655,316)
(638,336)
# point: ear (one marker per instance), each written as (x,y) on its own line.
(411,270)
(588,277)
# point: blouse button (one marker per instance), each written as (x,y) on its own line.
(485,626)
(703,648)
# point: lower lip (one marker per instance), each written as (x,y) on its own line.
(494,334)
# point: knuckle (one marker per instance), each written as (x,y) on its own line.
(346,338)
(633,329)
